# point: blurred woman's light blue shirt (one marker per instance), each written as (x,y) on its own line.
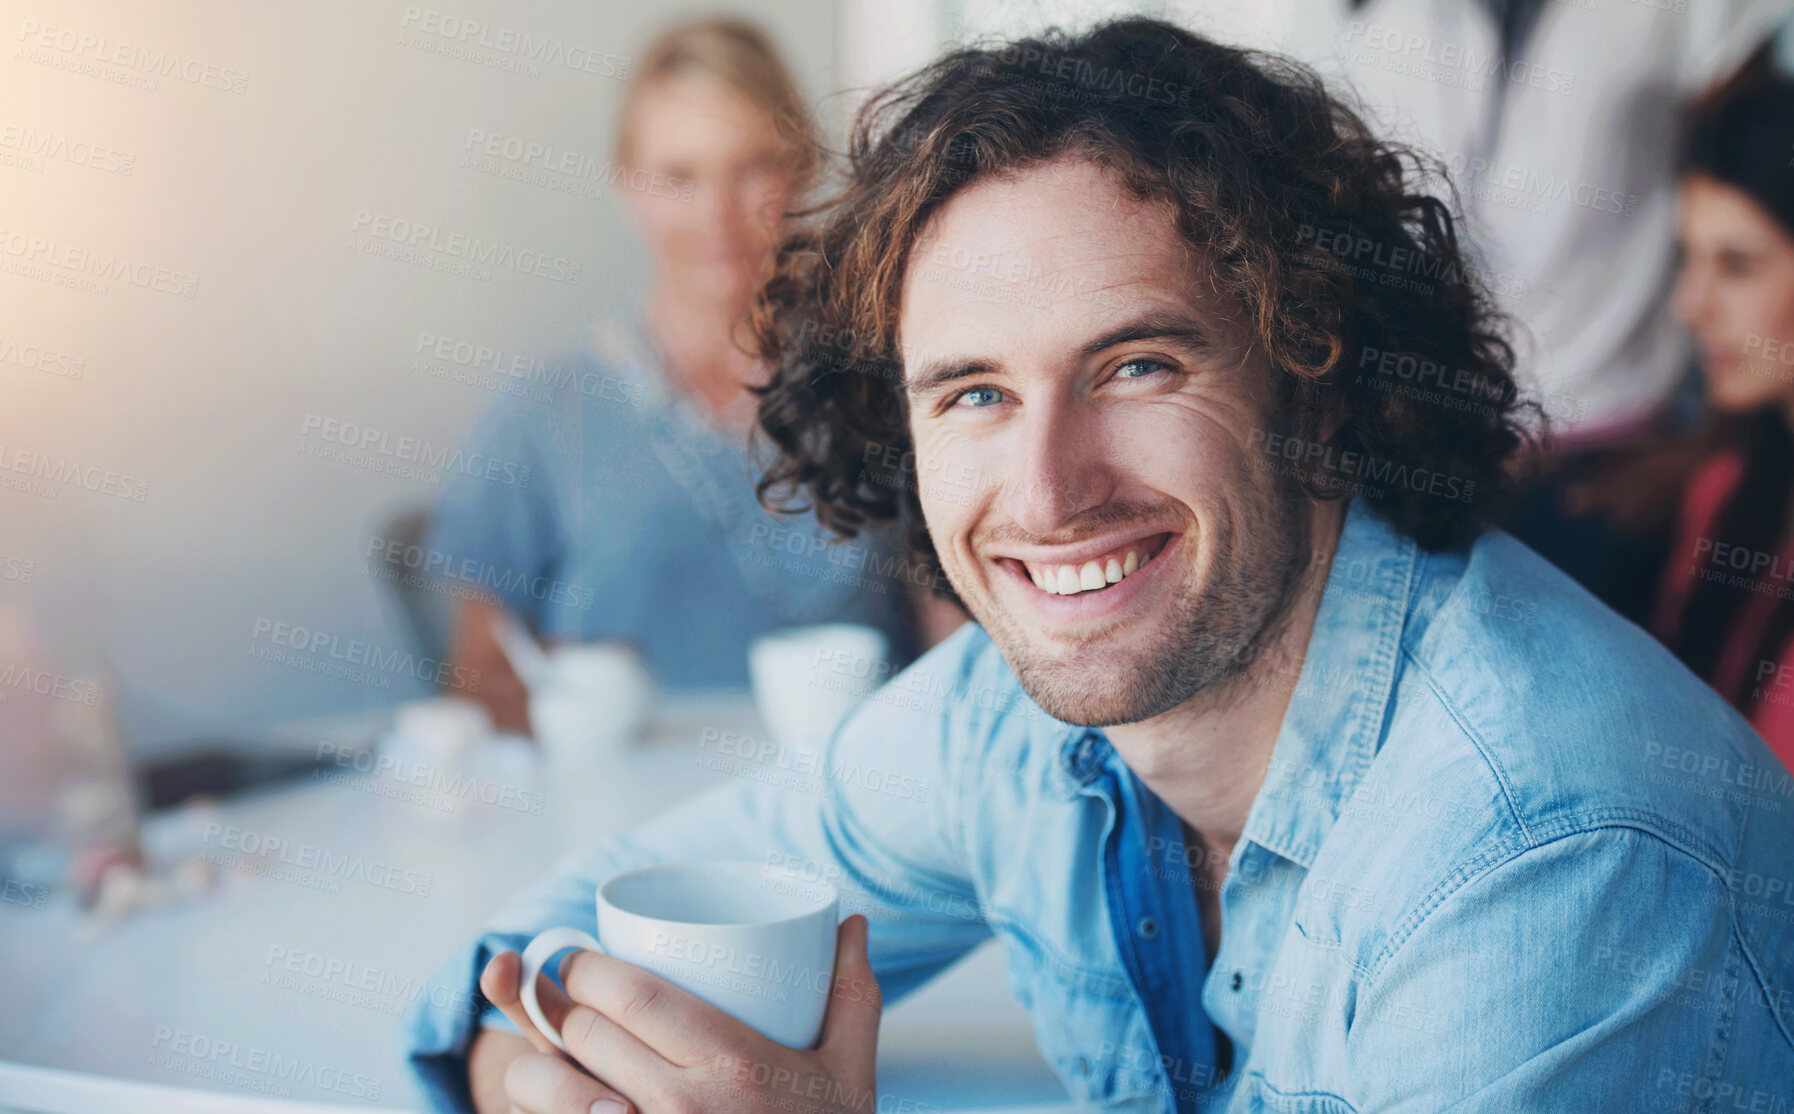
(597,503)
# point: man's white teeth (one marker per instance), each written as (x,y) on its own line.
(1069,580)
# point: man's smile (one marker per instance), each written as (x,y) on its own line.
(1091,580)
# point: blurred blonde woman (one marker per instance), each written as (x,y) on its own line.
(640,521)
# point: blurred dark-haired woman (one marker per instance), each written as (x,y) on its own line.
(1726,603)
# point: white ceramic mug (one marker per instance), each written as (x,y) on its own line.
(806,678)
(593,700)
(752,941)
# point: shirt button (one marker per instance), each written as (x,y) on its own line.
(1237,980)
(1148,928)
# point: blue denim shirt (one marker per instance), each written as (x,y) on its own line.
(638,520)
(1508,856)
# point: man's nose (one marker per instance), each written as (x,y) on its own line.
(1059,469)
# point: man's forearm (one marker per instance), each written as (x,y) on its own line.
(487,1058)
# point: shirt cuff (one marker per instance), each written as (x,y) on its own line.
(442,1022)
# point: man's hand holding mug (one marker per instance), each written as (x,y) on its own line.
(717,986)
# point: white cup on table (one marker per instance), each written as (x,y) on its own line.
(441,727)
(590,702)
(442,734)
(806,678)
(756,942)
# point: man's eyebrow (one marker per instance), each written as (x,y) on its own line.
(934,374)
(1154,326)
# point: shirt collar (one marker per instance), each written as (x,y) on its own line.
(1334,723)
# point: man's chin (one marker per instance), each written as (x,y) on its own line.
(1093,691)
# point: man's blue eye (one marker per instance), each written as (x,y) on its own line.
(1150,366)
(979,397)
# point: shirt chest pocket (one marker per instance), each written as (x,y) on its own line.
(1302,1006)
(1088,1026)
(1255,1094)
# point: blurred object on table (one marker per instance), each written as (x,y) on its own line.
(215,767)
(66,793)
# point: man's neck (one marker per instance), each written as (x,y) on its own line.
(1207,757)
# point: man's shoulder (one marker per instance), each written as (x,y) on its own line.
(1572,710)
(1534,734)
(958,681)
(1527,712)
(963,697)
(956,724)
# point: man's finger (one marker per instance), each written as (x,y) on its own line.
(682,1028)
(850,1028)
(501,982)
(619,1057)
(538,1083)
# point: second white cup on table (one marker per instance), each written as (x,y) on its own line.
(806,678)
(590,702)
(588,707)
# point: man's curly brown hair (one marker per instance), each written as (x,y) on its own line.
(1324,235)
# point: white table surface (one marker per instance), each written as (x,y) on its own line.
(133,1003)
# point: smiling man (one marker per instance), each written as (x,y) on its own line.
(1286,782)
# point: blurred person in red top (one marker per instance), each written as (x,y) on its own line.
(1726,602)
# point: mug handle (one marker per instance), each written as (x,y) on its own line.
(543,948)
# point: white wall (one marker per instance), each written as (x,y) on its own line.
(199,404)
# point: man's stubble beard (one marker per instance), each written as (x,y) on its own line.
(1212,637)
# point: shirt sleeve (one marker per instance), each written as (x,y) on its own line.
(877,817)
(1541,986)
(498,527)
